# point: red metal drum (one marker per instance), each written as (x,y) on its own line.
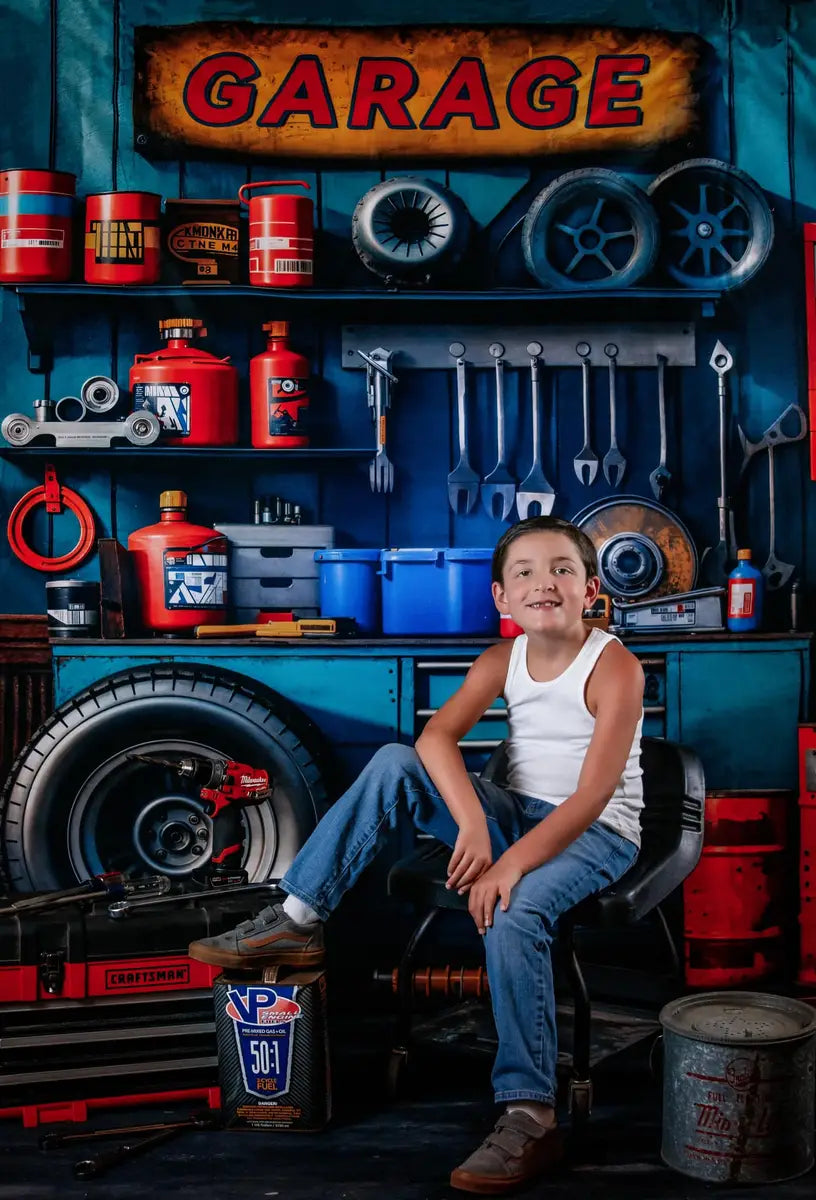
(122,237)
(281,236)
(193,393)
(36,223)
(734,901)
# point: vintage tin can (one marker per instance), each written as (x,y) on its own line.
(200,242)
(273,1054)
(36,220)
(72,606)
(122,237)
(738,1087)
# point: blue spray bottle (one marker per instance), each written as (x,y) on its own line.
(745,590)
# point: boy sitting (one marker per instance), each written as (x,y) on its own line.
(565,824)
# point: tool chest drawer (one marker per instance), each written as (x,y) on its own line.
(436,680)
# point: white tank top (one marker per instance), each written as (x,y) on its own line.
(550,731)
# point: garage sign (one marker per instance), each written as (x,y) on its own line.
(419,92)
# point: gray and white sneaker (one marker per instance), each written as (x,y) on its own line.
(270,939)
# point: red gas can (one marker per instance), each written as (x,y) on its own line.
(122,237)
(36,220)
(279,392)
(281,236)
(181,570)
(193,393)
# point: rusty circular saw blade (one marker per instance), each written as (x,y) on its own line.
(635,514)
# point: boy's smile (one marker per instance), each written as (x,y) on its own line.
(544,583)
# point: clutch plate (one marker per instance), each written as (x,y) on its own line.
(644,550)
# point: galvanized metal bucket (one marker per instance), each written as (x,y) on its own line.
(738,1087)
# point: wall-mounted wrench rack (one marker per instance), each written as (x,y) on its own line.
(426,348)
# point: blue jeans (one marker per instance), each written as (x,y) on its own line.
(395,793)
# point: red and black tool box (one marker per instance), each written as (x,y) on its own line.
(97,1012)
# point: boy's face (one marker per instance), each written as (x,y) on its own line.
(544,585)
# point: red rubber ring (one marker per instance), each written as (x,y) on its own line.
(75,504)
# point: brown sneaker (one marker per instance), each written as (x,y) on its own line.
(270,939)
(518,1150)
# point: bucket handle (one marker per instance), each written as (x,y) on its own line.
(245,187)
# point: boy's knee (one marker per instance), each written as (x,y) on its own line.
(396,759)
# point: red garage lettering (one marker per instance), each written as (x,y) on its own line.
(218,91)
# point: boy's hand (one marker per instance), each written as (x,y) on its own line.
(496,883)
(472,855)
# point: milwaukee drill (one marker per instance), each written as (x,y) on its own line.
(227,787)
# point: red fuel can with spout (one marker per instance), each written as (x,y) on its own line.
(279,392)
(36,222)
(181,570)
(281,235)
(193,393)
(122,237)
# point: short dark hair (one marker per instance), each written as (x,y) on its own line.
(579,539)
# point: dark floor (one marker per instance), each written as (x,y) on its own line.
(392,1151)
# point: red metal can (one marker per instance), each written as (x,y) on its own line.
(122,237)
(36,223)
(193,393)
(281,236)
(279,392)
(181,570)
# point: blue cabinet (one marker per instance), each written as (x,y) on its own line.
(737,701)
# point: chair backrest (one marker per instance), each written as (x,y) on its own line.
(671,820)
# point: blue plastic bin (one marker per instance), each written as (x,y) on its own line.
(349,586)
(437,591)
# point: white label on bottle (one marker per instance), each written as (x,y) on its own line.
(741,598)
(271,243)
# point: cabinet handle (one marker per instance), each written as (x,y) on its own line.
(438,665)
(481,745)
(660,661)
(490,712)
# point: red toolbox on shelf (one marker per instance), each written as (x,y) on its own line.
(98,1012)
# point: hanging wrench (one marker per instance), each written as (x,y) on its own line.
(586,456)
(715,559)
(614,464)
(773,435)
(776,573)
(378,377)
(463,482)
(661,475)
(499,484)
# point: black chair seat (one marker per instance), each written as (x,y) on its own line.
(672,839)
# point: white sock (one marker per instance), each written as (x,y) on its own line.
(300,913)
(532,1111)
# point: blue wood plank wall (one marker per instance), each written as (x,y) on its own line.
(66,78)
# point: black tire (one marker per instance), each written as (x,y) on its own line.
(76,805)
(569,242)
(409,231)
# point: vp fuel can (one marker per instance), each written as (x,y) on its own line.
(273,1054)
(193,393)
(180,569)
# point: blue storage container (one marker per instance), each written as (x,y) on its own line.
(349,586)
(437,591)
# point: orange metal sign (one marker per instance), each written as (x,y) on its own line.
(420,92)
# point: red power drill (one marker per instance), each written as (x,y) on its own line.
(227,786)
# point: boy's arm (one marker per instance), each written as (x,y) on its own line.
(617,696)
(438,750)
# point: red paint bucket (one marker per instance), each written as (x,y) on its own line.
(122,237)
(36,222)
(281,236)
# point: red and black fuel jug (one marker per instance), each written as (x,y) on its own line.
(193,393)
(181,570)
(281,236)
(122,237)
(36,221)
(279,392)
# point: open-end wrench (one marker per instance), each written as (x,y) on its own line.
(614,464)
(535,488)
(773,435)
(661,475)
(776,573)
(499,484)
(586,456)
(715,559)
(463,482)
